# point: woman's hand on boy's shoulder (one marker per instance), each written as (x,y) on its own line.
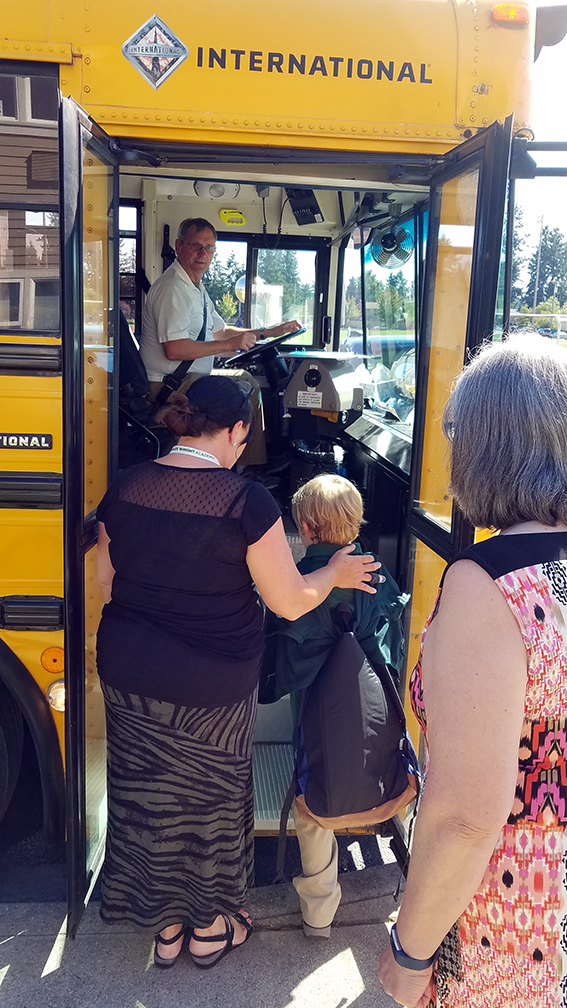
(355,570)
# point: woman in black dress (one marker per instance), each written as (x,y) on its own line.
(182,540)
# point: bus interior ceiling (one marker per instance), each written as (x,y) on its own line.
(348,195)
(353,202)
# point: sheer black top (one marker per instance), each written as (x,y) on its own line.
(185,622)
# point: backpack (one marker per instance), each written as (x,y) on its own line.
(355,764)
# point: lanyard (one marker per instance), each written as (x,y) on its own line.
(196,453)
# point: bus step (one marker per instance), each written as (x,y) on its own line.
(272,767)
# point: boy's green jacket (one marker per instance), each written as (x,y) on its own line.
(295,651)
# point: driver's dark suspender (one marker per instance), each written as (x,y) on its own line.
(172,381)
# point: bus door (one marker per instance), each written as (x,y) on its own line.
(89,271)
(464,243)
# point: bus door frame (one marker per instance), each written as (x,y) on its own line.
(76,130)
(490,151)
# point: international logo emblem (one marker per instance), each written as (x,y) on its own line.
(155,51)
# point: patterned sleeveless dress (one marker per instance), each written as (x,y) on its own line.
(509,948)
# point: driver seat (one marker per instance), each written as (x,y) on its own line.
(136,441)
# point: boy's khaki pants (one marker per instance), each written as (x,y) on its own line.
(318,887)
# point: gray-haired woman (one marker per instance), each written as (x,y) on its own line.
(490,692)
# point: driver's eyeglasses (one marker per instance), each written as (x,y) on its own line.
(197,247)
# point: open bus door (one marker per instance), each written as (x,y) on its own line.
(89,269)
(461,281)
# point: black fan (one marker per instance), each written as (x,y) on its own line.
(392,247)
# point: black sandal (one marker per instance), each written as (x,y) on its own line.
(206,961)
(167,963)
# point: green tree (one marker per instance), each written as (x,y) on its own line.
(518,260)
(220,278)
(399,283)
(227,307)
(279,266)
(552,273)
(127,254)
(353,290)
(352,310)
(542,318)
(390,302)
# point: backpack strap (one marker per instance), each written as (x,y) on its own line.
(343,619)
(282,835)
(288,800)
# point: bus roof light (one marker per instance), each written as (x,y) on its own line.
(511,13)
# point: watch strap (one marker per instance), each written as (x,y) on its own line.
(408,962)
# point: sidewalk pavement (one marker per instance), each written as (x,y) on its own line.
(108,967)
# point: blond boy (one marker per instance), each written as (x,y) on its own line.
(328,512)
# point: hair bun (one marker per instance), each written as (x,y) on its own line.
(196,420)
(182,418)
(211,404)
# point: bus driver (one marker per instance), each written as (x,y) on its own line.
(180,320)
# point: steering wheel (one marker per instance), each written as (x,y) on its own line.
(259,348)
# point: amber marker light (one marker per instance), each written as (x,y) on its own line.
(53,660)
(511,13)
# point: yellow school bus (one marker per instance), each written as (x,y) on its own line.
(355,164)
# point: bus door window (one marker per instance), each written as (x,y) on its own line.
(89,205)
(351,330)
(379,308)
(389,298)
(455,237)
(97,292)
(98,285)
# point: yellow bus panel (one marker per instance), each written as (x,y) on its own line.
(405,76)
(31,405)
(32,553)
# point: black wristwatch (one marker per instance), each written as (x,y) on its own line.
(408,962)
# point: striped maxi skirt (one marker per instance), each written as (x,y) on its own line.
(180,841)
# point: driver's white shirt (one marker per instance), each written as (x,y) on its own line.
(174,310)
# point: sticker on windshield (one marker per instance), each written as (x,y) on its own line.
(310,400)
(155,51)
